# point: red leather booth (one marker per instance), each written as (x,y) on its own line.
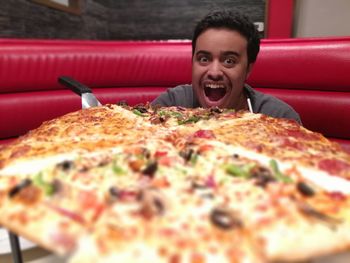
(310,74)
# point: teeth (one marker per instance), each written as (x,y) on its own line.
(215,86)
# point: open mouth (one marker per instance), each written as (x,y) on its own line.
(214,92)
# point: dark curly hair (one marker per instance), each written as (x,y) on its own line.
(233,20)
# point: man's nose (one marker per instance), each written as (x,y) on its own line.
(214,71)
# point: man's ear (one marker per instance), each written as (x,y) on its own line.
(249,69)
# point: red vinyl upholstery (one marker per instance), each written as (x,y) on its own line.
(310,74)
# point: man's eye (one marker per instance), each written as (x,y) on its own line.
(229,61)
(203,59)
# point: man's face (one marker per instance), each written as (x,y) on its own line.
(220,68)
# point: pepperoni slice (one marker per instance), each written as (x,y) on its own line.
(333,166)
(286,142)
(205,134)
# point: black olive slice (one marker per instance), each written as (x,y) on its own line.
(141,108)
(150,169)
(263,176)
(17,188)
(114,192)
(66,165)
(305,189)
(152,202)
(225,219)
(187,154)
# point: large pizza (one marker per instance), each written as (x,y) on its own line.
(152,184)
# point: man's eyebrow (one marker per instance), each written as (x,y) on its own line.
(224,53)
(230,53)
(202,52)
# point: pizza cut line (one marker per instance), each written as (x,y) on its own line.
(140,184)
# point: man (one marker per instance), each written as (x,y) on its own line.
(225,45)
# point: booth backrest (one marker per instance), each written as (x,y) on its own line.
(309,74)
(132,71)
(312,75)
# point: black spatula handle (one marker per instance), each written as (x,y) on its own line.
(74,85)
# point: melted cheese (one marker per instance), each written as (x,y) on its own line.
(320,178)
(33,166)
(328,182)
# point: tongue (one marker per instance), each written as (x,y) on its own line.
(214,94)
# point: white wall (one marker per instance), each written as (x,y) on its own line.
(317,18)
